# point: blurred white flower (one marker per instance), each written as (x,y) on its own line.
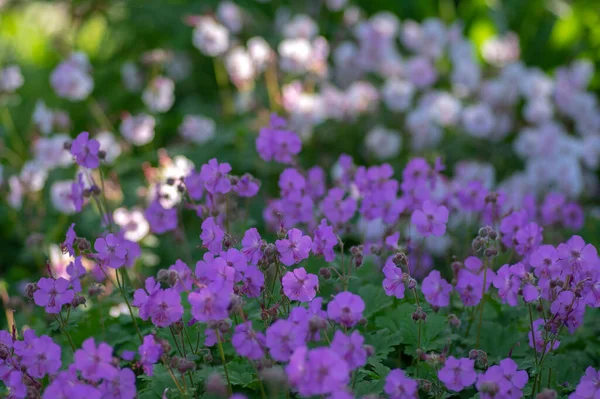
(230,15)
(260,52)
(50,151)
(383,143)
(301,26)
(240,67)
(33,176)
(210,37)
(132,222)
(159,96)
(132,76)
(11,79)
(478,120)
(397,94)
(138,129)
(197,129)
(16,192)
(503,50)
(60,196)
(109,144)
(71,79)
(43,117)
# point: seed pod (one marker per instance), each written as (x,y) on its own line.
(325,273)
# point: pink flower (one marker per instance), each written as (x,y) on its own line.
(214,175)
(299,285)
(346,309)
(251,246)
(457,374)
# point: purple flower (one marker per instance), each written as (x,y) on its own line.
(110,250)
(86,151)
(508,282)
(528,238)
(324,241)
(121,386)
(253,281)
(346,309)
(431,220)
(144,298)
(299,285)
(552,207)
(166,308)
(295,248)
(247,342)
(337,209)
(95,362)
(77,190)
(160,218)
(150,352)
(42,357)
(469,287)
(276,143)
(510,225)
(315,182)
(545,262)
(518,378)
(215,272)
(589,385)
(576,257)
(210,304)
(283,337)
(436,289)
(246,186)
(399,386)
(251,246)
(237,260)
(184,276)
(393,283)
(212,236)
(53,294)
(318,371)
(194,185)
(70,240)
(457,374)
(215,177)
(76,270)
(541,343)
(350,348)
(66,385)
(573,216)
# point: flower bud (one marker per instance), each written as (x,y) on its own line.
(493,234)
(172,278)
(30,289)
(376,249)
(83,244)
(4,352)
(370,349)
(454,321)
(412,283)
(178,326)
(185,365)
(419,314)
(95,190)
(78,300)
(95,290)
(400,259)
(362,322)
(224,326)
(489,252)
(228,241)
(425,385)
(484,231)
(215,385)
(477,244)
(547,394)
(325,273)
(162,276)
(207,358)
(358,261)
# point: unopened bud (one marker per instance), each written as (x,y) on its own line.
(484,231)
(83,244)
(370,349)
(162,276)
(547,394)
(477,244)
(178,326)
(215,385)
(185,365)
(363,322)
(224,326)
(30,289)
(425,385)
(95,290)
(77,301)
(489,252)
(325,273)
(412,283)
(493,234)
(4,352)
(228,241)
(454,321)
(419,314)
(95,190)
(400,259)
(207,358)
(358,261)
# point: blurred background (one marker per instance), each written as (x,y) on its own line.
(156,35)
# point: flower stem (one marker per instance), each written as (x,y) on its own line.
(485,268)
(124,295)
(60,321)
(223,361)
(533,335)
(222,82)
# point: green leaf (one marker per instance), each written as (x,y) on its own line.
(375,299)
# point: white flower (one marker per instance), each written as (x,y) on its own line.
(109,144)
(132,222)
(60,195)
(33,175)
(11,79)
(197,128)
(159,96)
(231,16)
(43,117)
(50,151)
(239,66)
(132,76)
(397,94)
(260,52)
(71,78)
(210,37)
(301,26)
(383,143)
(138,129)
(478,120)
